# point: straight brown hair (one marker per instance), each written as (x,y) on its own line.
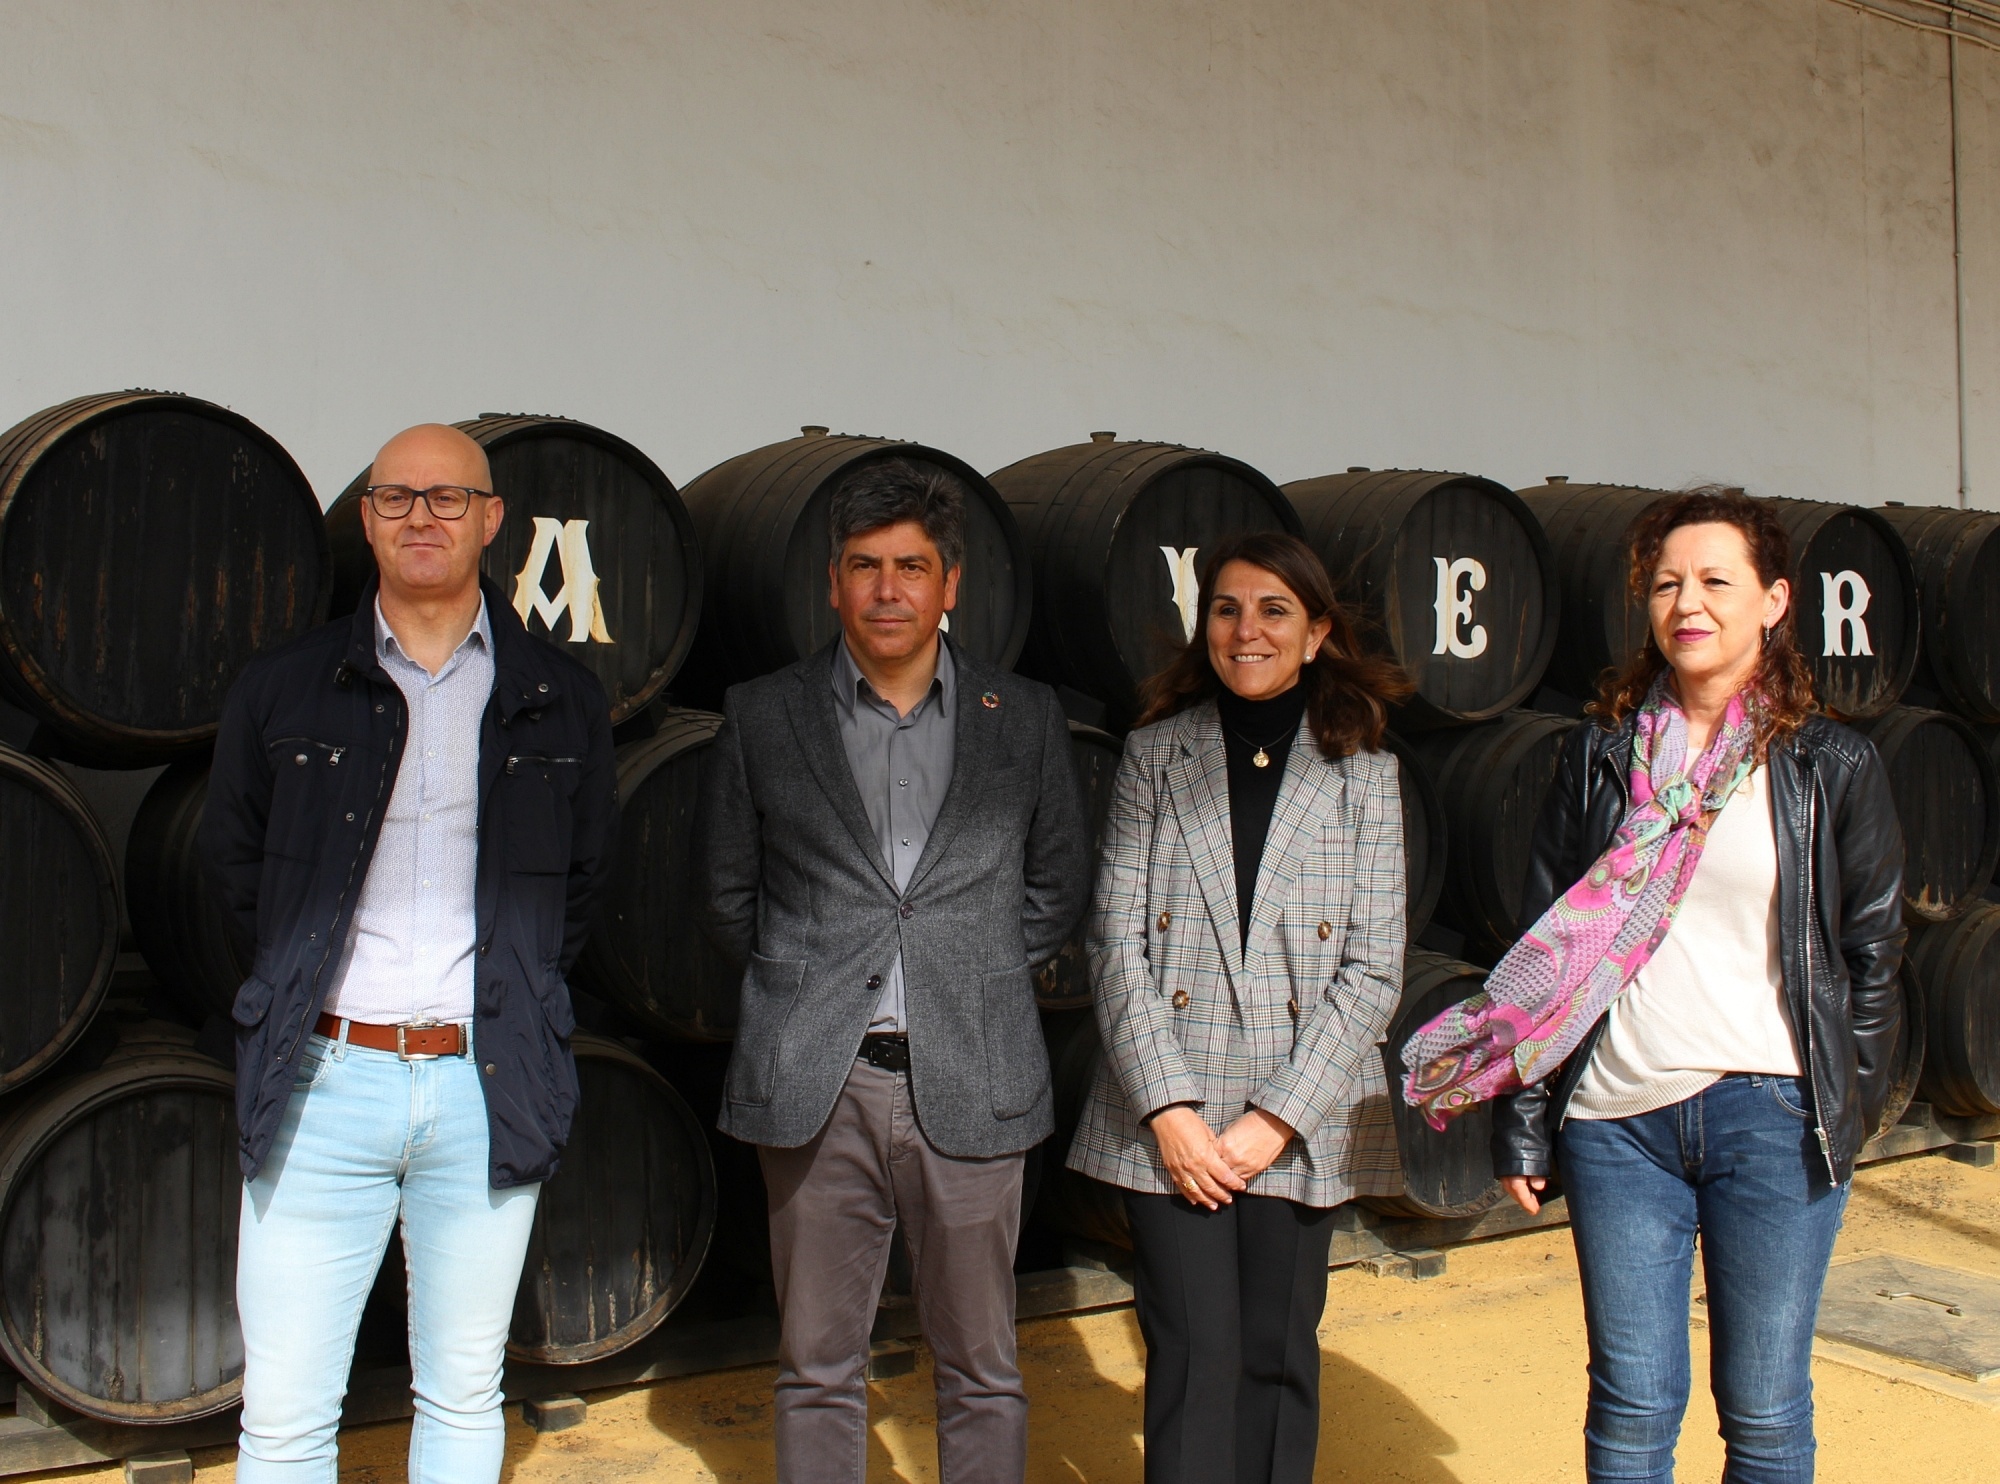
(1348,691)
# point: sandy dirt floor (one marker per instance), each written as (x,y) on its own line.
(1472,1378)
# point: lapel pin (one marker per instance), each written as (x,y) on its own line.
(990,700)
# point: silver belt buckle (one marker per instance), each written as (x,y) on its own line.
(402,1043)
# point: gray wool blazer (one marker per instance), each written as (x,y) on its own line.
(1293,1021)
(797,890)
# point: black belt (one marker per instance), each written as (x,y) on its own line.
(890,1053)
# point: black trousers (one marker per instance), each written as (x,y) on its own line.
(1229,1302)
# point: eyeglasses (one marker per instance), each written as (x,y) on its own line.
(445,501)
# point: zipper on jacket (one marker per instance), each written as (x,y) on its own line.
(334,753)
(1808,927)
(526,758)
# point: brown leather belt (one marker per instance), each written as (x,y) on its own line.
(418,1038)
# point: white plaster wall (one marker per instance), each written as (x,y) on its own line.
(1633,240)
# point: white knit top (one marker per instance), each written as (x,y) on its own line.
(1711,1000)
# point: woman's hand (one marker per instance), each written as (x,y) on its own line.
(1193,1158)
(1526,1191)
(1253,1141)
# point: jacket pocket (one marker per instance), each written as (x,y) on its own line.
(309,781)
(1017,1061)
(253,1002)
(537,790)
(551,994)
(770,989)
(557,1007)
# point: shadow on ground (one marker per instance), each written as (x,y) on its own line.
(1084,1378)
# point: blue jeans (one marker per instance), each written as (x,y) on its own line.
(367,1137)
(1739,1163)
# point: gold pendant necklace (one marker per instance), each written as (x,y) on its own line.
(1261,758)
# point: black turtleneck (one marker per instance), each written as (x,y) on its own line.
(1253,791)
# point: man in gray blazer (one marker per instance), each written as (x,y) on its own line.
(893,838)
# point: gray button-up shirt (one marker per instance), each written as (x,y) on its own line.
(902,766)
(416,925)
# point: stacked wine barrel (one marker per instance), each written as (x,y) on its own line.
(1448,1173)
(621,1230)
(118,644)
(1454,576)
(597,553)
(1941,763)
(1115,533)
(763,523)
(646,952)
(150,544)
(1854,592)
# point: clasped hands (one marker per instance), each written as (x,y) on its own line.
(1208,1170)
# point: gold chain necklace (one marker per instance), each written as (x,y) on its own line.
(1261,758)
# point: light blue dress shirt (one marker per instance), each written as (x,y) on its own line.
(416,927)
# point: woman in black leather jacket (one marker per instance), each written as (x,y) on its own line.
(1730,1083)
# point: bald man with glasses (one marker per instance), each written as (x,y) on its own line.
(409,813)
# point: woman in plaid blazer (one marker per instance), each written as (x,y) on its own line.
(1246,948)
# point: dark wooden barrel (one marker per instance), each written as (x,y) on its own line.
(1448,1173)
(1958,964)
(1853,590)
(1491,779)
(647,953)
(1455,576)
(1906,1061)
(623,1227)
(1063,983)
(150,543)
(1588,528)
(581,504)
(738,1268)
(1956,556)
(1855,594)
(1426,844)
(119,1192)
(763,522)
(58,916)
(1068,1202)
(1116,532)
(176,921)
(1943,784)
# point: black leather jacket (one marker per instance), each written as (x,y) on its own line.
(1840,886)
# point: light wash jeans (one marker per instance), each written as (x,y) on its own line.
(368,1136)
(1739,1163)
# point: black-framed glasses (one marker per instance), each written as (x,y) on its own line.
(445,501)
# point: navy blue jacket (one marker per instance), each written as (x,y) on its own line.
(311,740)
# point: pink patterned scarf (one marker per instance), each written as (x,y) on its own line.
(1551,987)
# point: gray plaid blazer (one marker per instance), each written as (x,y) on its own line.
(1291,1023)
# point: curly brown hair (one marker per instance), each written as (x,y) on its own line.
(1781,688)
(1349,690)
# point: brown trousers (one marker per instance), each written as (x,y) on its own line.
(835,1204)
